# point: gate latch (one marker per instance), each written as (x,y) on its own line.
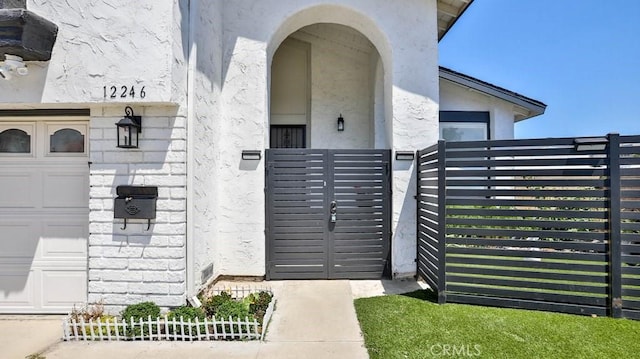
(333,210)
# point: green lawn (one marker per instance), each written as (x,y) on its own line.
(412,326)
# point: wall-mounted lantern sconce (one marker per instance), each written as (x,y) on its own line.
(405,155)
(251,155)
(590,144)
(340,123)
(129,129)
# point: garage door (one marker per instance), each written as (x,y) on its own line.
(328,213)
(44,184)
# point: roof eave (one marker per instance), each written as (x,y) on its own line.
(455,19)
(532,107)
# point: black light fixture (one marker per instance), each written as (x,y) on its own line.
(129,129)
(405,155)
(340,123)
(590,144)
(251,155)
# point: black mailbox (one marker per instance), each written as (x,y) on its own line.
(135,202)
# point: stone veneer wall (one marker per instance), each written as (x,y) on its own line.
(134,265)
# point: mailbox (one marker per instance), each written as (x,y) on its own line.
(136,202)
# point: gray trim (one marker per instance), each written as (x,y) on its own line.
(50,112)
(534,107)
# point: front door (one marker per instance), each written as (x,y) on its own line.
(328,213)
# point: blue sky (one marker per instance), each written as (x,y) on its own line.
(580,57)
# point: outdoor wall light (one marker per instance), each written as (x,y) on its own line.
(405,155)
(590,144)
(251,155)
(12,65)
(340,123)
(129,129)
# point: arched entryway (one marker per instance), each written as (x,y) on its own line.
(328,190)
(320,73)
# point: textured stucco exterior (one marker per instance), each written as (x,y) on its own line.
(206,70)
(405,38)
(454,97)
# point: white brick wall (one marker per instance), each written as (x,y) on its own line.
(133,265)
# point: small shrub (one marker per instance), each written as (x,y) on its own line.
(259,303)
(232,309)
(185,313)
(210,305)
(140,311)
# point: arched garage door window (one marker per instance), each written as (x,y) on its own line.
(15,140)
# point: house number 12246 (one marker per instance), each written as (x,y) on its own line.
(123,92)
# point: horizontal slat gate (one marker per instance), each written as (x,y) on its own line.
(296,214)
(360,236)
(302,241)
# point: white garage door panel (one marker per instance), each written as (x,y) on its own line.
(18,241)
(62,189)
(62,289)
(16,289)
(44,222)
(18,189)
(65,240)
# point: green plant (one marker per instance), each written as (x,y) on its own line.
(186,313)
(210,305)
(140,311)
(258,303)
(232,309)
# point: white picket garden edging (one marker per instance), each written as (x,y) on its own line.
(175,329)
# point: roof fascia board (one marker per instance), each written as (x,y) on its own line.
(529,104)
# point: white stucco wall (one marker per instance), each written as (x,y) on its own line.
(341,83)
(104,43)
(205,132)
(253,31)
(454,97)
(230,44)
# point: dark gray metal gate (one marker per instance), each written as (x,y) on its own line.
(305,188)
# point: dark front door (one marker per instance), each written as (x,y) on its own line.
(328,213)
(288,136)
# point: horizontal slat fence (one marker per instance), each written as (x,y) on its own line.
(430,244)
(534,224)
(630,225)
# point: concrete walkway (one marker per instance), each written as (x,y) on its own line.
(313,319)
(21,335)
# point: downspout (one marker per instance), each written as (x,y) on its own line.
(191,118)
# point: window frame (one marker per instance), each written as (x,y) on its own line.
(30,129)
(466,117)
(53,127)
